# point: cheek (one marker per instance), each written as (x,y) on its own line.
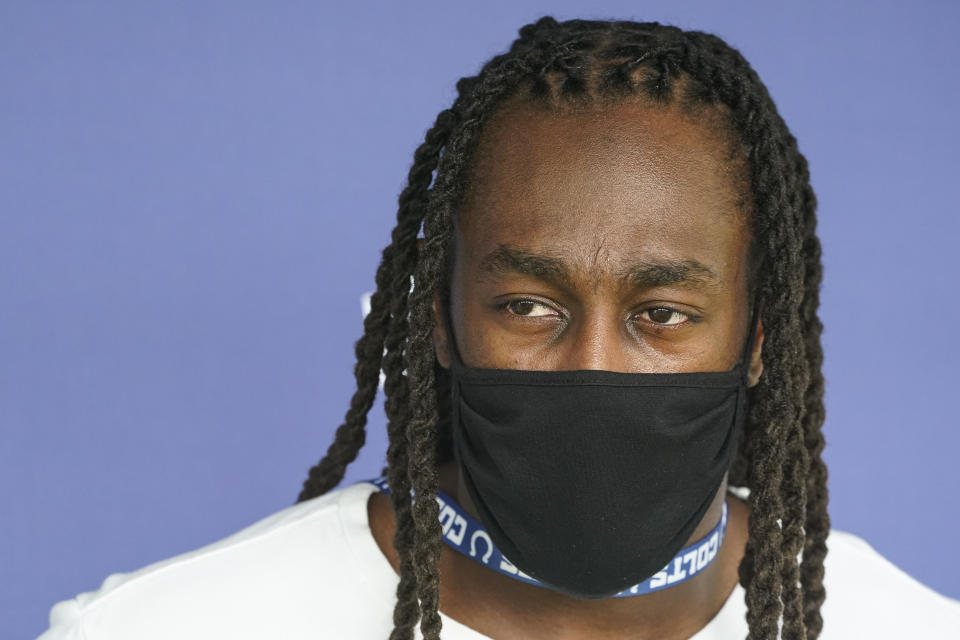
(722,353)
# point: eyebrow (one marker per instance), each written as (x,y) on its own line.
(686,271)
(641,275)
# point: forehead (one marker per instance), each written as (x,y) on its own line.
(604,185)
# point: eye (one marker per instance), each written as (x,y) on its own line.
(665,316)
(529,308)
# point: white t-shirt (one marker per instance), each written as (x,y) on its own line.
(313,570)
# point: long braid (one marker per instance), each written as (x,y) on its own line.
(421,434)
(779,459)
(797,466)
(818,520)
(351,435)
(795,380)
(763,591)
(396,384)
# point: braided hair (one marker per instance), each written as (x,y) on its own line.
(780,454)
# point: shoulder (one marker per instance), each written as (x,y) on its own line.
(310,568)
(868,596)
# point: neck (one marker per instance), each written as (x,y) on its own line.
(503,608)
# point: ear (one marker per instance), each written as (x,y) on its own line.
(756,362)
(441,346)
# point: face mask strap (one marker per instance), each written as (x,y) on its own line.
(751,337)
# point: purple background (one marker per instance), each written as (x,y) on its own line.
(193,198)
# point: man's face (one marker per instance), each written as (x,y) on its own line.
(609,239)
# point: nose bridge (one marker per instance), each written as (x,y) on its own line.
(598,343)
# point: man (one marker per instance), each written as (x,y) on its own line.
(603,389)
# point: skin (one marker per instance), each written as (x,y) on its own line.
(607,238)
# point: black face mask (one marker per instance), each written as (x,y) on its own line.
(591,481)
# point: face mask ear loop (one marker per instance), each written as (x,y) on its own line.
(751,336)
(456,365)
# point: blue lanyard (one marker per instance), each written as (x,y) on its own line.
(468,537)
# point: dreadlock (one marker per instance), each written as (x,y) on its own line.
(780,454)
